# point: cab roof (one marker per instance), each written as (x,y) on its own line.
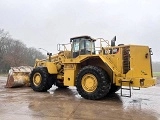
(84,36)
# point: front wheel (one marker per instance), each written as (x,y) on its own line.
(92,83)
(40,79)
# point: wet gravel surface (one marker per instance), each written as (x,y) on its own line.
(66,104)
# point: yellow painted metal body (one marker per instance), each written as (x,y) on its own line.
(139,61)
(140,72)
(128,63)
(51,66)
(52,69)
(69,74)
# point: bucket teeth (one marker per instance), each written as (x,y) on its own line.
(18,76)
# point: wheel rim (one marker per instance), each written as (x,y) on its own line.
(89,83)
(37,79)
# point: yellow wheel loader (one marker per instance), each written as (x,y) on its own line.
(95,66)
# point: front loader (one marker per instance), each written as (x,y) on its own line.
(18,76)
(96,67)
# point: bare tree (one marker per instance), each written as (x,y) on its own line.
(15,53)
(3,37)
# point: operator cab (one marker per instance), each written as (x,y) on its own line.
(82,45)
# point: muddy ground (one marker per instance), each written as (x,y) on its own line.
(66,104)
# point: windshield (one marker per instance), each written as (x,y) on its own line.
(76,45)
(83,44)
(90,46)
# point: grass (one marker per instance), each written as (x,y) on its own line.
(4,75)
(156,74)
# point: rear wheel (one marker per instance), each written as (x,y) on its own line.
(92,83)
(40,79)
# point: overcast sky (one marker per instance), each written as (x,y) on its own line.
(45,23)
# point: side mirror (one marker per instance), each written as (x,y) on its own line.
(50,54)
(113,41)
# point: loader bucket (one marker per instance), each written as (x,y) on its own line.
(18,76)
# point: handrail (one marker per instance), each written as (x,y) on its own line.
(104,47)
(64,46)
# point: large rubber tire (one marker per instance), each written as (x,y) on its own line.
(41,80)
(60,84)
(101,83)
(114,88)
